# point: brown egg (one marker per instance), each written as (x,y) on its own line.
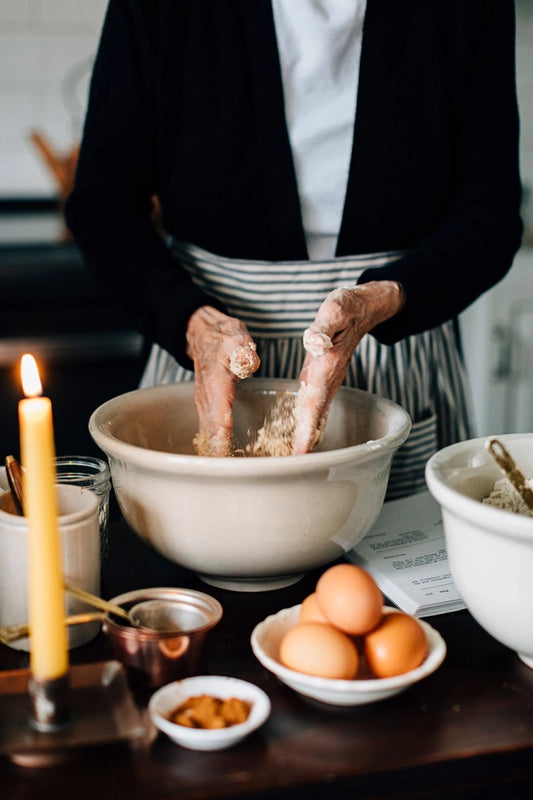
(349,598)
(398,644)
(319,649)
(310,611)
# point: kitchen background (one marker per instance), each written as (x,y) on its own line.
(51,306)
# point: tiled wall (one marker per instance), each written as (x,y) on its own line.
(46,50)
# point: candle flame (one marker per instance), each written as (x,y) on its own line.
(31,382)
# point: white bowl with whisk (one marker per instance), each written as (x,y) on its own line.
(490,549)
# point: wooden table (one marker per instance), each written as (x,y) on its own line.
(464,732)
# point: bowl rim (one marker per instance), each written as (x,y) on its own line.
(65,519)
(357,687)
(221,686)
(470,509)
(145,634)
(168,463)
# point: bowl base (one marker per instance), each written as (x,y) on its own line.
(252,584)
(528,660)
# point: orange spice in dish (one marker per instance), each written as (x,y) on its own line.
(208,712)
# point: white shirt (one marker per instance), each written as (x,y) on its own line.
(319,45)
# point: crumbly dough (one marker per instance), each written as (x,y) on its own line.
(505,496)
(317,343)
(274,438)
(244,361)
(205,445)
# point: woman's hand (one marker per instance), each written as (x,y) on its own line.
(223,352)
(344,317)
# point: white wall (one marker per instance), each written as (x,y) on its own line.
(498,344)
(46,53)
(498,328)
(524,71)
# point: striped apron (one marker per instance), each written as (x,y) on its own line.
(278,300)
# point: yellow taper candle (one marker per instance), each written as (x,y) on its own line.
(48,640)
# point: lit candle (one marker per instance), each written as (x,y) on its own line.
(48,642)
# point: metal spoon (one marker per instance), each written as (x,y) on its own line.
(508,466)
(160,615)
(12,633)
(155,615)
(97,602)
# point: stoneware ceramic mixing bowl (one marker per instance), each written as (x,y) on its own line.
(248,523)
(490,549)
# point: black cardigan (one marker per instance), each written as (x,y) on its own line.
(186,102)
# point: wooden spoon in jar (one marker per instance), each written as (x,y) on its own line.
(14,479)
(508,466)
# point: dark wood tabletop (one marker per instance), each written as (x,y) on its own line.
(464,732)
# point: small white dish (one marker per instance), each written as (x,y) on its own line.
(266,638)
(169,697)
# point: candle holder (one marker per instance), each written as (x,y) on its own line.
(51,706)
(46,723)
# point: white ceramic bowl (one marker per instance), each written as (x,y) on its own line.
(248,523)
(266,638)
(490,550)
(169,697)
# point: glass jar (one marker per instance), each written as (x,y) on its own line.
(91,473)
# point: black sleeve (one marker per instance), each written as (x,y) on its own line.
(108,211)
(475,246)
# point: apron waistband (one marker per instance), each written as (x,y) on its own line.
(273,298)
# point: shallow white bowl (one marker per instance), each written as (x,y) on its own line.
(248,523)
(490,550)
(166,699)
(266,638)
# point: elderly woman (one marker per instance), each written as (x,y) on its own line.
(347,168)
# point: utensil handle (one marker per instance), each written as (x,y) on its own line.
(11,633)
(95,601)
(14,478)
(507,464)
